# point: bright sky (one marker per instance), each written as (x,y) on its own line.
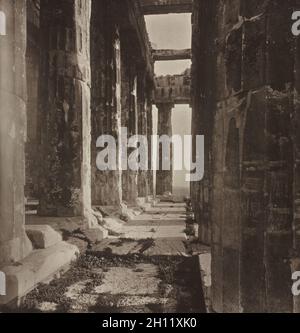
(172,31)
(181,123)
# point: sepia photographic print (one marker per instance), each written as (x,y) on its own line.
(149,159)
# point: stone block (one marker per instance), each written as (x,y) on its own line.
(141,201)
(42,236)
(95,235)
(38,267)
(113,225)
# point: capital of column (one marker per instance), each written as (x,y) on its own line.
(165,106)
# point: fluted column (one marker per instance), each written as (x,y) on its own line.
(14,244)
(164,178)
(64,100)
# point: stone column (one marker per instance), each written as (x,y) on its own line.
(164,178)
(106,100)
(295,264)
(64,101)
(279,188)
(150,152)
(33,126)
(142,123)
(130,122)
(14,244)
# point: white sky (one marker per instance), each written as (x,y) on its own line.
(172,31)
(181,123)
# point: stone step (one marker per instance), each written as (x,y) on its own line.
(40,266)
(159,218)
(169,204)
(155,232)
(31,203)
(165,210)
(31,206)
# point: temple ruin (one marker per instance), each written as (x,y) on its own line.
(72,70)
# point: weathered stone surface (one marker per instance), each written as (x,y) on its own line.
(95,235)
(166,6)
(205,271)
(166,55)
(164,178)
(32,76)
(42,236)
(242,81)
(173,89)
(144,96)
(204,91)
(64,101)
(106,99)
(14,244)
(295,267)
(129,118)
(38,267)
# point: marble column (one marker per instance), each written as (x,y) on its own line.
(164,178)
(143,190)
(14,244)
(64,105)
(130,122)
(106,100)
(150,152)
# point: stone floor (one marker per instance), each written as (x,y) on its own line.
(149,268)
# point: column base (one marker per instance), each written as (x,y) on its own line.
(15,250)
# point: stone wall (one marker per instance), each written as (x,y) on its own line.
(249,195)
(173,88)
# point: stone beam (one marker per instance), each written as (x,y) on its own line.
(153,7)
(163,55)
(133,28)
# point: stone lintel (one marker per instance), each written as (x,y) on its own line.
(165,55)
(153,7)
